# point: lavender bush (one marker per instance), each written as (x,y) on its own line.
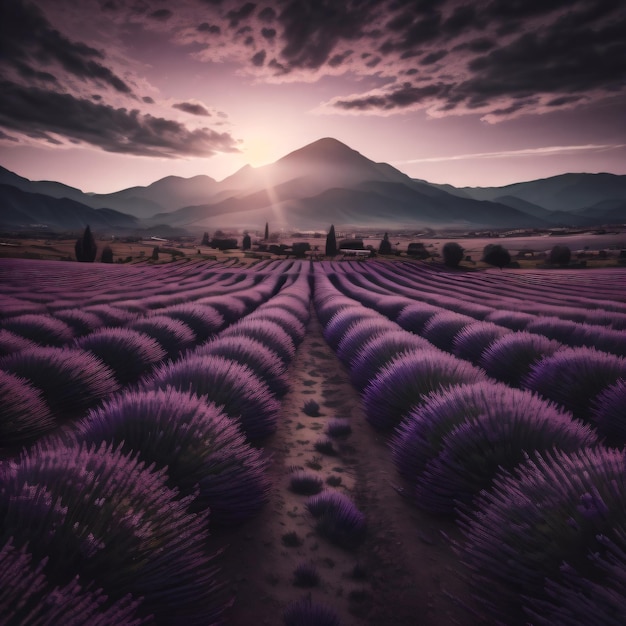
(608,413)
(441,328)
(574,377)
(70,380)
(228,384)
(406,380)
(268,333)
(305,612)
(10,343)
(174,336)
(43,330)
(551,511)
(252,353)
(305,483)
(357,335)
(27,597)
(510,358)
(415,316)
(203,451)
(109,519)
(129,353)
(338,519)
(472,340)
(202,319)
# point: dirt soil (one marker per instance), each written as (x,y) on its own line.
(406,571)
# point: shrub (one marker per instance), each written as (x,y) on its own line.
(441,328)
(268,333)
(70,380)
(285,319)
(359,333)
(472,340)
(109,519)
(510,358)
(406,380)
(129,353)
(306,575)
(560,255)
(172,335)
(338,428)
(608,414)
(565,331)
(305,612)
(414,316)
(522,422)
(111,315)
(305,483)
(10,343)
(574,377)
(515,320)
(228,384)
(341,322)
(253,354)
(495,254)
(27,597)
(452,254)
(311,408)
(203,451)
(510,427)
(81,322)
(44,330)
(107,255)
(324,445)
(379,351)
(24,414)
(564,506)
(338,519)
(203,320)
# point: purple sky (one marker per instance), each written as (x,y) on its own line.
(106,94)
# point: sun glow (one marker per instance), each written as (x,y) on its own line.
(259,151)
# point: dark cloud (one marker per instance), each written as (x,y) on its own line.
(238,15)
(162,15)
(311,31)
(401,97)
(205,27)
(433,57)
(267,14)
(6,137)
(268,33)
(338,59)
(259,58)
(27,38)
(38,113)
(191,107)
(148,100)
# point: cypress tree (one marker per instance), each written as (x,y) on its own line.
(267,232)
(385,245)
(85,247)
(246,244)
(331,242)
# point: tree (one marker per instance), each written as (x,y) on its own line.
(155,253)
(267,231)
(331,242)
(205,240)
(385,245)
(452,254)
(497,255)
(300,249)
(85,247)
(560,255)
(246,244)
(107,255)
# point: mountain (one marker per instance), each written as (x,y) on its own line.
(326,182)
(23,210)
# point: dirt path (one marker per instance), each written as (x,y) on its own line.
(404,574)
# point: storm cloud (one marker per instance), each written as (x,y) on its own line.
(40,113)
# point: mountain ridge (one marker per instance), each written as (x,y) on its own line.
(327,180)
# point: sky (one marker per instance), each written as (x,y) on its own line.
(108,94)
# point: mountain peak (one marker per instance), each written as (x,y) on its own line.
(326,149)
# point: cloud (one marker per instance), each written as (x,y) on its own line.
(42,114)
(194,108)
(29,39)
(162,15)
(509,154)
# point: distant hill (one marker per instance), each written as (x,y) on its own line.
(325,182)
(22,210)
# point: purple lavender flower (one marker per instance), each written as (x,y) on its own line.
(202,319)
(43,330)
(338,519)
(172,335)
(267,332)
(70,380)
(406,380)
(608,412)
(228,384)
(129,353)
(441,328)
(305,612)
(10,343)
(200,447)
(574,377)
(472,340)
(359,334)
(414,316)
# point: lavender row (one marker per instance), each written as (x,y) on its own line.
(164,462)
(455,447)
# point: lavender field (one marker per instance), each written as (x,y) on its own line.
(311,443)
